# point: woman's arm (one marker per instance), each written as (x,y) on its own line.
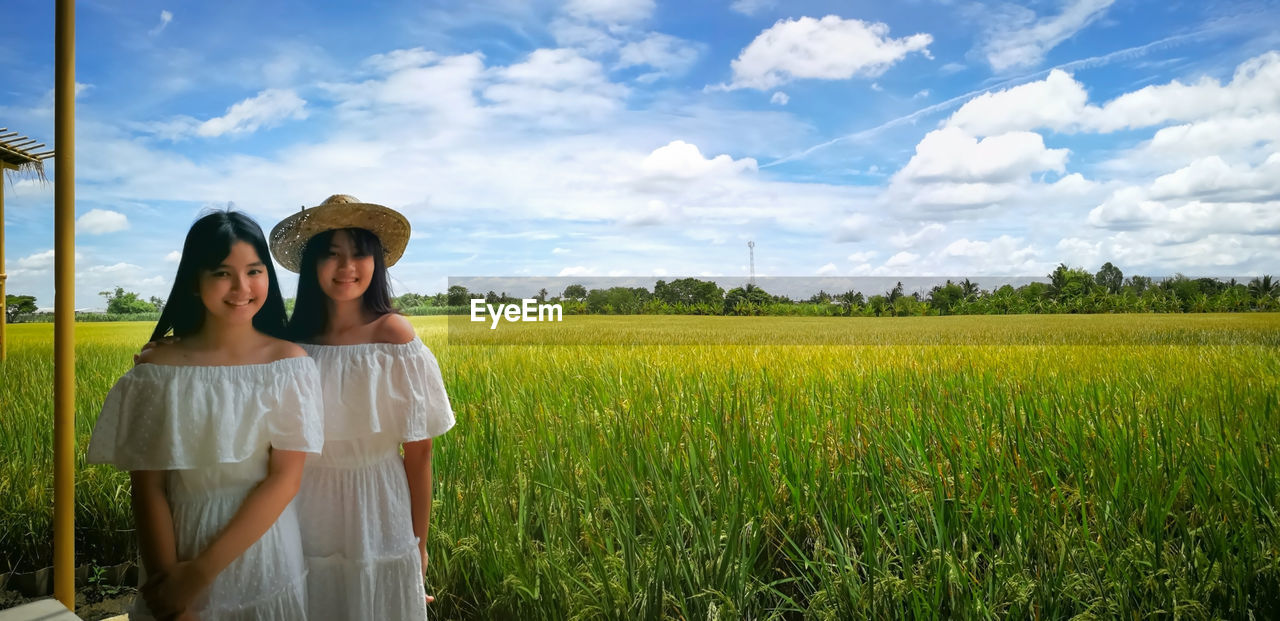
(153,520)
(417,468)
(176,590)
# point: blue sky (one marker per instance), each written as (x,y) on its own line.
(650,138)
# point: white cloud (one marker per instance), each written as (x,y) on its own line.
(577,270)
(266,109)
(831,48)
(443,89)
(946,196)
(37,261)
(1251,90)
(173,257)
(1004,248)
(655,212)
(40,261)
(560,251)
(1211,179)
(553,68)
(1249,136)
(1208,196)
(827,270)
(1073,184)
(921,94)
(590,39)
(165,18)
(779,98)
(852,228)
(1004,255)
(670,56)
(681,160)
(397,60)
(955,172)
(1164,252)
(1076,251)
(101,221)
(1015,38)
(926,233)
(1126,209)
(116,268)
(902,259)
(555,86)
(1060,103)
(1056,102)
(610,11)
(951,155)
(122,274)
(862,257)
(752,7)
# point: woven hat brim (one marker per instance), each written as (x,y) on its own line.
(290,236)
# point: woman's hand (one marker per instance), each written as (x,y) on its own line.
(168,340)
(422,549)
(172,592)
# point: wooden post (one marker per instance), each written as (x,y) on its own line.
(64,280)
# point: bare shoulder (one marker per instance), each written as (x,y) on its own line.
(393,328)
(281,349)
(165,354)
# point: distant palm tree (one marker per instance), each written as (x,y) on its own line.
(893,294)
(1264,287)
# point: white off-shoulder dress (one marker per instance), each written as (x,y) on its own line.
(354,509)
(212,428)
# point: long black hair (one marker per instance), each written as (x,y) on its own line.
(311,306)
(208,243)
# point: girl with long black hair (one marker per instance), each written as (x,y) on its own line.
(214,430)
(364,509)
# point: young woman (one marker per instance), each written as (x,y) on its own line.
(364,509)
(214,430)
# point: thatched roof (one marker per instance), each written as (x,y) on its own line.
(25,155)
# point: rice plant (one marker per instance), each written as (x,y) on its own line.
(1109,475)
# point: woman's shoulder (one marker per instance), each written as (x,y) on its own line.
(179,354)
(393,328)
(171,354)
(280,349)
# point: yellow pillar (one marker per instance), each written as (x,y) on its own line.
(64,249)
(4,350)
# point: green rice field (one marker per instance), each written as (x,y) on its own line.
(824,468)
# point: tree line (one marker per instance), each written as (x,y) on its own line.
(1067,290)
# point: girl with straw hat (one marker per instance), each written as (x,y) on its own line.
(364,511)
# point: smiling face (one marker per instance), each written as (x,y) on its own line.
(343,272)
(235,290)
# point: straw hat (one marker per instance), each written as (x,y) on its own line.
(340,211)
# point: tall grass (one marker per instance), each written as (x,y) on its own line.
(826,482)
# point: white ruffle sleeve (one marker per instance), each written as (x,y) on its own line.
(382,388)
(162,417)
